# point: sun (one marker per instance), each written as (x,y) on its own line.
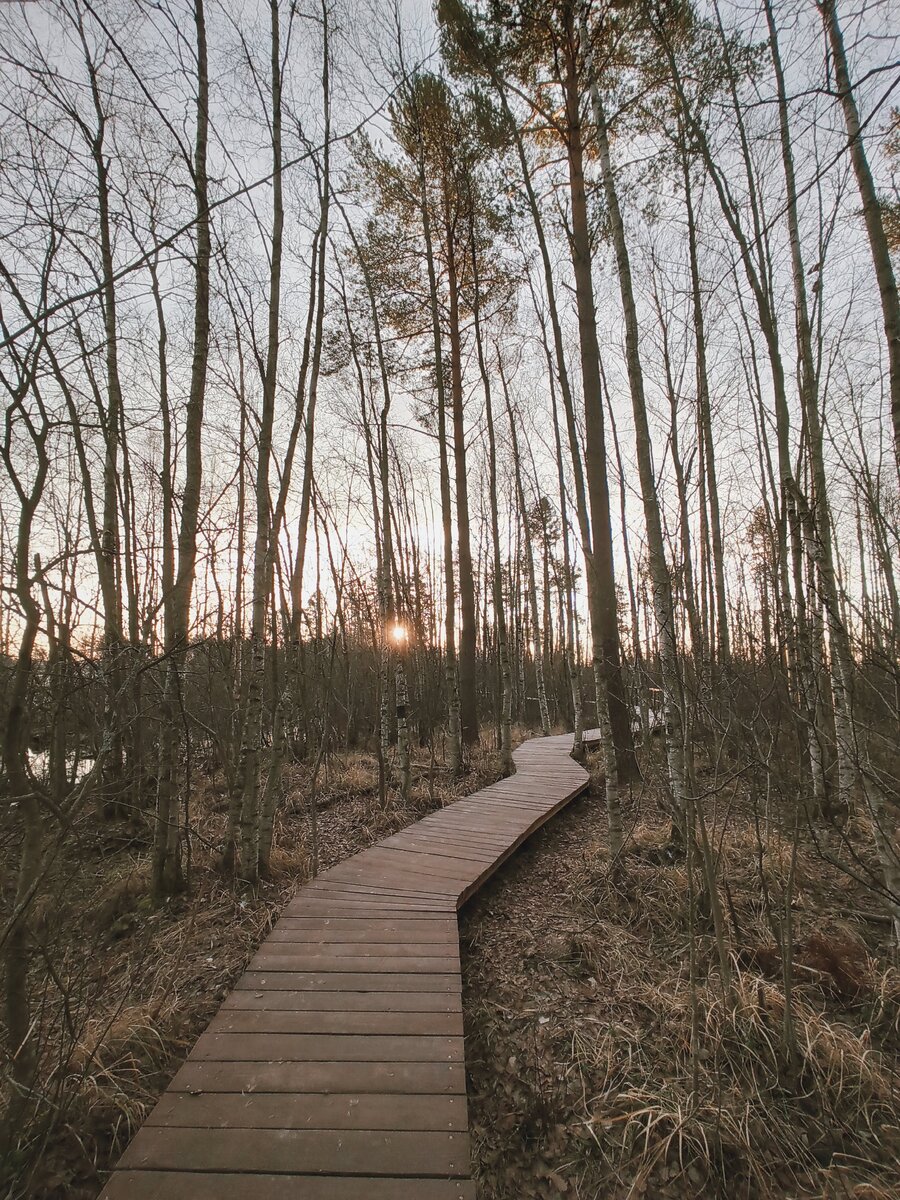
(398,633)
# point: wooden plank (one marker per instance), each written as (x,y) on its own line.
(269,1020)
(412,909)
(196,1185)
(485,824)
(504,831)
(376,870)
(455,868)
(530,784)
(368,872)
(353,906)
(510,807)
(339,929)
(287,1000)
(444,847)
(298,942)
(378,890)
(269,1110)
(509,792)
(498,803)
(432,861)
(326,880)
(300,1151)
(498,837)
(347,893)
(325,1047)
(452,842)
(356,891)
(458,831)
(441,825)
(359,981)
(534,782)
(426,864)
(444,922)
(355,911)
(510,833)
(427,1079)
(393,873)
(374,891)
(271,959)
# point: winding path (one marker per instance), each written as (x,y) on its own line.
(335,1070)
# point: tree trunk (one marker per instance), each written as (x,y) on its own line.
(878,243)
(505,710)
(468,698)
(23,797)
(704,427)
(567,584)
(535,614)
(602,600)
(822,544)
(263,549)
(178,587)
(663,606)
(596,533)
(453,704)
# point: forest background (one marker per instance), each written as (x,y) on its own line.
(381,384)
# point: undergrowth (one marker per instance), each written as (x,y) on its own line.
(610,1056)
(122,989)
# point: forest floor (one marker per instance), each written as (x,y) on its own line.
(579,1013)
(141,983)
(579,1004)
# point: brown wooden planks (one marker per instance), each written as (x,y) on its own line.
(271,1110)
(288,958)
(268,1020)
(451,849)
(318,1047)
(352,981)
(334,1070)
(301,1151)
(405,1079)
(298,942)
(354,911)
(292,1000)
(361,929)
(182,1185)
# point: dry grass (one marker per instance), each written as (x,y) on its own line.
(597,1067)
(134,986)
(600,1068)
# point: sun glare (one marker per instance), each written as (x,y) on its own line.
(398,633)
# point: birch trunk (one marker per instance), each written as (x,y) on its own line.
(529,566)
(253,724)
(505,722)
(450,666)
(178,586)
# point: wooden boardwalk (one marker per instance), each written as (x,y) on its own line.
(335,1069)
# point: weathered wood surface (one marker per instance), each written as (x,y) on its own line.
(335,1070)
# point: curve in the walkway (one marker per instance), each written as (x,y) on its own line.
(335,1069)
